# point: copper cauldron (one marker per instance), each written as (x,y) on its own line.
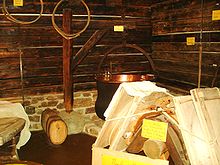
(108,83)
(107,86)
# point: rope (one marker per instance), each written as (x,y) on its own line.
(133,115)
(62,33)
(21,74)
(12,19)
(200,48)
(200,66)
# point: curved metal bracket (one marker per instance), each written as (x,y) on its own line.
(128,46)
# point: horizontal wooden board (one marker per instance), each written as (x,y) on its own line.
(185,78)
(190,57)
(95,8)
(181,37)
(212,47)
(181,6)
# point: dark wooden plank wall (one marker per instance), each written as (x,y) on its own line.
(41,46)
(176,61)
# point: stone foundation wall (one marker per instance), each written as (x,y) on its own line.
(84,103)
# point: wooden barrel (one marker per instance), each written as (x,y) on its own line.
(54,126)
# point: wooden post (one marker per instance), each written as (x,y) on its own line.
(67,61)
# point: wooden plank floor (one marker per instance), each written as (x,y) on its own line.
(77,150)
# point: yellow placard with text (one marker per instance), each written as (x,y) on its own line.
(154,130)
(18,3)
(119,28)
(190,41)
(215,15)
(111,160)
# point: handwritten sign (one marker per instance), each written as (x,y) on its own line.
(111,160)
(154,130)
(118,28)
(18,3)
(215,15)
(190,41)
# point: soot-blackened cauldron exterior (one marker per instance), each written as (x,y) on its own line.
(108,84)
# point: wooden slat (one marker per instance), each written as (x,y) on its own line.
(96,8)
(190,58)
(212,47)
(113,2)
(10,84)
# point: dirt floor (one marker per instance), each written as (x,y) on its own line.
(76,150)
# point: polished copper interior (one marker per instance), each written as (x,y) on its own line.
(119,78)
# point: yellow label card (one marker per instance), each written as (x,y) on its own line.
(118,28)
(190,41)
(18,2)
(154,130)
(111,160)
(215,15)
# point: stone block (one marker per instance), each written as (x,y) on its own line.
(52,103)
(34,101)
(90,110)
(60,106)
(86,94)
(27,102)
(83,102)
(34,118)
(51,98)
(44,104)
(74,121)
(30,110)
(77,95)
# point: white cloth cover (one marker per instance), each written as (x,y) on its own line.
(139,88)
(8,109)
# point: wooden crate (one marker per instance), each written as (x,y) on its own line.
(110,145)
(207,105)
(198,116)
